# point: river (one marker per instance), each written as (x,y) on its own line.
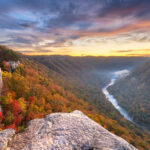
(117,75)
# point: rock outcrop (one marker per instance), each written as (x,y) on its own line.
(65,131)
(5,138)
(13,65)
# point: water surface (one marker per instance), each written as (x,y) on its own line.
(117,75)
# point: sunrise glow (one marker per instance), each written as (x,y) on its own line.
(78,28)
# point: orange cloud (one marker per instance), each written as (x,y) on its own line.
(140,25)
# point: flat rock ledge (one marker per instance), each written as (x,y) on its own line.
(63,131)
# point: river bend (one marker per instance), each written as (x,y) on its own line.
(116,75)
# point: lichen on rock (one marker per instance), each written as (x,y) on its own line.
(5,138)
(67,131)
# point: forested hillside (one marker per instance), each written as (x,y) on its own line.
(85,76)
(7,54)
(81,68)
(133,94)
(34,90)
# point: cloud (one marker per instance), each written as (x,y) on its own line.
(123,51)
(33,51)
(28,23)
(140,52)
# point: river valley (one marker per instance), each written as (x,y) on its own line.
(116,76)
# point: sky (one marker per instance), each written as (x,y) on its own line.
(76,27)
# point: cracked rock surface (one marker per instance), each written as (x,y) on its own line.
(66,131)
(5,138)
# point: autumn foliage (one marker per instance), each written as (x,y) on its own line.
(1,116)
(4,65)
(28,94)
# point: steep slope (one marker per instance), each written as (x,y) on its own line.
(85,76)
(83,68)
(8,54)
(27,94)
(65,131)
(1,82)
(33,91)
(133,94)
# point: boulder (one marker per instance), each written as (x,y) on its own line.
(13,65)
(67,131)
(5,138)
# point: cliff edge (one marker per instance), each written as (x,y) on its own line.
(63,131)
